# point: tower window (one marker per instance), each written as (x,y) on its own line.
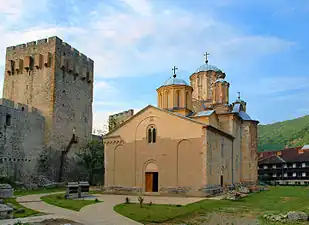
(178,99)
(151,134)
(8,120)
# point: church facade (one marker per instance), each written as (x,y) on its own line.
(193,139)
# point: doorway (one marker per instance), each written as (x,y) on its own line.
(221,181)
(151,181)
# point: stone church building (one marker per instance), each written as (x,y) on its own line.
(194,138)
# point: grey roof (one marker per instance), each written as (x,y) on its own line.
(244,116)
(207,67)
(236,108)
(204,113)
(173,81)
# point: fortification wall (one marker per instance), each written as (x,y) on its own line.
(21,138)
(73,97)
(116,120)
(58,80)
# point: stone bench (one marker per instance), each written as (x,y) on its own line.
(84,186)
(6,191)
(72,188)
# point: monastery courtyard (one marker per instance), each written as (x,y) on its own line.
(95,214)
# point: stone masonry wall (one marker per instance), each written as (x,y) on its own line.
(21,138)
(55,78)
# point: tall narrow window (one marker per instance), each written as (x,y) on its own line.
(178,99)
(187,99)
(154,135)
(166,100)
(149,135)
(222,148)
(8,120)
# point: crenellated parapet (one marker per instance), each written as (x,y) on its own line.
(19,106)
(48,53)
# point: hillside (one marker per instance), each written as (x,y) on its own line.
(289,133)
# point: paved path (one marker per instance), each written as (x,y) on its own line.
(95,214)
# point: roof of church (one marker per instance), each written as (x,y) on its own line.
(171,113)
(243,115)
(221,80)
(175,81)
(207,67)
(204,113)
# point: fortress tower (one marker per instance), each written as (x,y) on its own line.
(56,79)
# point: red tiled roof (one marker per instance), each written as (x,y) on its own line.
(287,155)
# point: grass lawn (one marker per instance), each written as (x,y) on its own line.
(277,200)
(28,212)
(59,200)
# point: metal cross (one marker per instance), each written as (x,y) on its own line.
(238,95)
(174,70)
(206,57)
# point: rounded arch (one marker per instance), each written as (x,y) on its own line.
(151,167)
(183,176)
(116,149)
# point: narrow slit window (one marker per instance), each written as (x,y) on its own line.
(154,135)
(8,120)
(149,135)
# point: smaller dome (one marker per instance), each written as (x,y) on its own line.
(174,81)
(208,67)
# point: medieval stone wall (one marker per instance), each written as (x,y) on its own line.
(21,138)
(55,78)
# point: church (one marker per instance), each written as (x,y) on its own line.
(194,138)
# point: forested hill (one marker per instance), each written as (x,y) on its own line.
(289,133)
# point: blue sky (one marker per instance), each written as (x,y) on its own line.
(261,45)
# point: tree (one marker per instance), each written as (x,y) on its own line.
(92,158)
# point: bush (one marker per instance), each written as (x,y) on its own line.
(127,200)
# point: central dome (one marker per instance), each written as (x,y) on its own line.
(174,80)
(207,67)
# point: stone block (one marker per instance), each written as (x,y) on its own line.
(6,191)
(6,212)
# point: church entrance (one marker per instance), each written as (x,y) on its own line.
(151,182)
(151,178)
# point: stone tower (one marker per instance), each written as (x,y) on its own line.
(56,79)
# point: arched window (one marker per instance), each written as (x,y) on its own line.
(152,134)
(178,99)
(149,135)
(166,99)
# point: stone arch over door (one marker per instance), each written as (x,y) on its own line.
(151,177)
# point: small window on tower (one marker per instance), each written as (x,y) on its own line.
(8,120)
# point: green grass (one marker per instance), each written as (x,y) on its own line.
(19,192)
(28,212)
(60,201)
(277,200)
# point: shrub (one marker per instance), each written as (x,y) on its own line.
(140,200)
(127,200)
